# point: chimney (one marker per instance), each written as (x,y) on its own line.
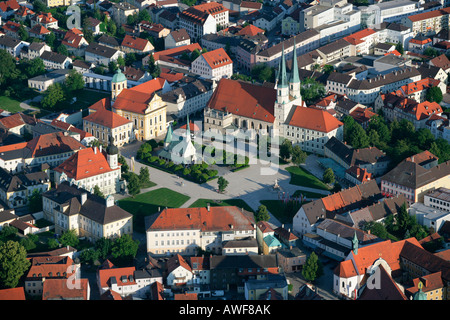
(100,148)
(95,150)
(208,207)
(83,197)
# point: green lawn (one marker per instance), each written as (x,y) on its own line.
(9,104)
(149,203)
(301,177)
(86,98)
(283,212)
(216,203)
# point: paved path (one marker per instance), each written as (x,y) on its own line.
(251,184)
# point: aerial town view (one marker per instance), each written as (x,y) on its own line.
(225,151)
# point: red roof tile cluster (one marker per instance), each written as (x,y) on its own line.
(11,26)
(185,296)
(177,51)
(9,5)
(16,120)
(217,58)
(49,267)
(104,103)
(212,8)
(39,30)
(136,99)
(429,14)
(358,37)
(244,99)
(73,39)
(360,174)
(45,18)
(58,289)
(107,119)
(134,42)
(441,61)
(12,294)
(53,143)
(24,11)
(314,119)
(417,86)
(216,218)
(362,115)
(177,261)
(422,157)
(420,41)
(430,282)
(124,277)
(85,163)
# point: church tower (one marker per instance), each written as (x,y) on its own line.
(118,83)
(294,81)
(112,154)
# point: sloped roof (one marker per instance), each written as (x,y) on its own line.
(52,143)
(244,99)
(107,118)
(314,119)
(217,58)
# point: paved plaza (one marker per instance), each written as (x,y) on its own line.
(251,184)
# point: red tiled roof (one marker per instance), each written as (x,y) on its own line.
(135,42)
(24,11)
(59,289)
(15,120)
(9,5)
(84,164)
(217,58)
(177,51)
(185,296)
(422,157)
(429,14)
(314,119)
(357,37)
(250,30)
(39,30)
(44,266)
(251,5)
(104,103)
(394,52)
(244,99)
(53,143)
(264,227)
(72,39)
(430,282)
(105,276)
(441,61)
(107,119)
(11,26)
(12,294)
(136,99)
(419,41)
(217,218)
(360,174)
(171,77)
(177,261)
(212,8)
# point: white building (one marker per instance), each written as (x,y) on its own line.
(429,217)
(213,65)
(391,11)
(438,199)
(54,60)
(184,230)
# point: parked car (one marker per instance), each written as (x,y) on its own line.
(217,293)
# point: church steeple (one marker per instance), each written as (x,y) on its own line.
(282,80)
(294,81)
(355,244)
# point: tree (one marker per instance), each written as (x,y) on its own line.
(434,94)
(124,165)
(103,246)
(298,155)
(431,52)
(23,33)
(262,214)
(134,185)
(124,248)
(328,176)
(32,68)
(27,243)
(399,48)
(144,15)
(98,192)
(69,238)
(53,95)
(112,67)
(39,6)
(195,54)
(52,243)
(50,40)
(403,219)
(35,201)
(111,27)
(263,73)
(7,232)
(222,183)
(312,90)
(13,263)
(144,151)
(328,69)
(313,268)
(286,149)
(130,58)
(144,175)
(74,81)
(377,229)
(8,69)
(62,50)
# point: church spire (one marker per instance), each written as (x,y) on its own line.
(294,71)
(282,81)
(355,244)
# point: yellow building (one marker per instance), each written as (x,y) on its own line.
(142,106)
(58,3)
(428,287)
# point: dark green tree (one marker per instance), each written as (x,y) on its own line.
(222,183)
(124,165)
(399,48)
(434,94)
(74,81)
(262,214)
(144,175)
(104,247)
(62,50)
(134,185)
(313,268)
(35,201)
(52,96)
(69,238)
(312,90)
(124,248)
(298,155)
(328,176)
(286,149)
(13,263)
(98,192)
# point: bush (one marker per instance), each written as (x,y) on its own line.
(153,159)
(186,171)
(153,143)
(178,167)
(161,162)
(212,173)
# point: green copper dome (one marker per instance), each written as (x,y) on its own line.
(118,76)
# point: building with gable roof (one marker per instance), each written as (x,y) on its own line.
(177,38)
(70,207)
(17,293)
(142,105)
(103,123)
(132,44)
(179,272)
(92,167)
(184,230)
(213,65)
(58,289)
(241,105)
